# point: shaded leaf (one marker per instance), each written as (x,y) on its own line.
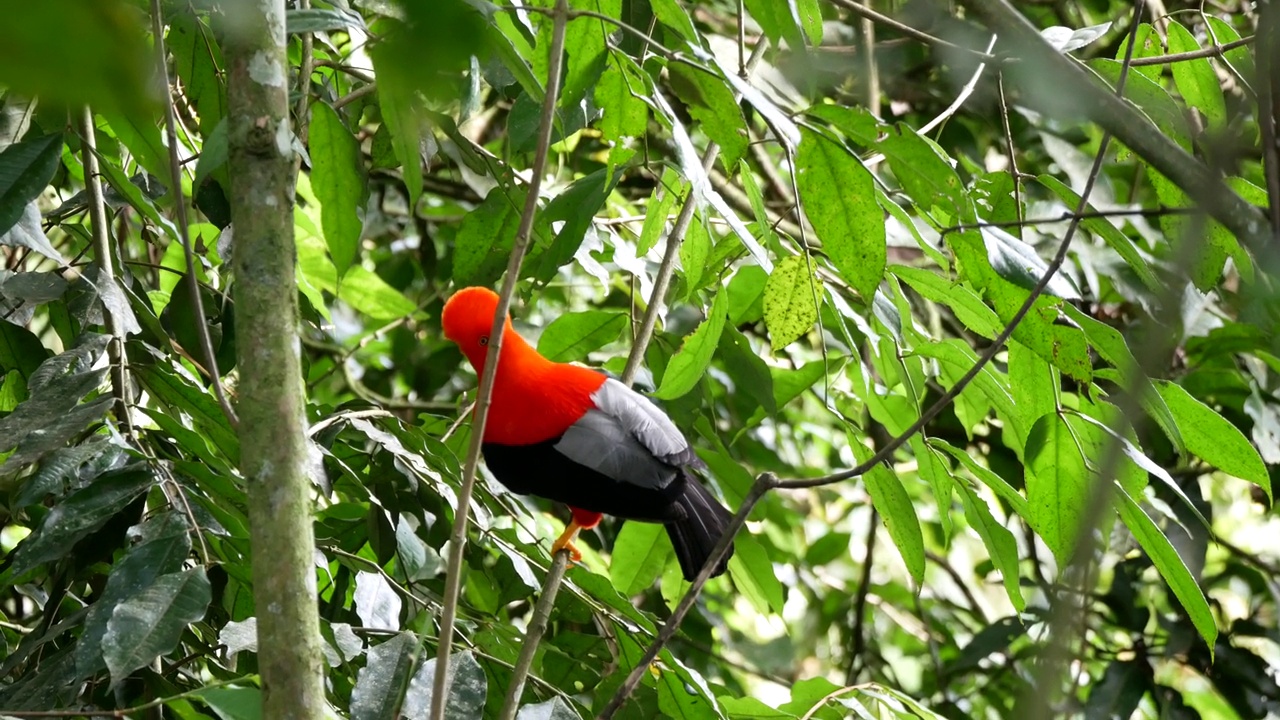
(150,623)
(25,170)
(1171,566)
(467,685)
(381,683)
(335,177)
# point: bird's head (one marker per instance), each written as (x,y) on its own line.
(468,319)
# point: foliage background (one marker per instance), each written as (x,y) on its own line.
(832,283)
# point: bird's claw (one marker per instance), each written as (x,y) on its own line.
(565,542)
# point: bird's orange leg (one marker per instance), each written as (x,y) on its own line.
(565,542)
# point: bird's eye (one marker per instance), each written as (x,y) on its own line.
(484,340)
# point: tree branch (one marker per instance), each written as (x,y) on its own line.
(458,538)
(106,266)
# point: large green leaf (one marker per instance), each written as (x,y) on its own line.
(80,514)
(689,364)
(1059,485)
(1171,566)
(711,103)
(640,553)
(573,335)
(1196,78)
(1212,438)
(891,500)
(336,179)
(380,685)
(840,200)
(149,623)
(25,170)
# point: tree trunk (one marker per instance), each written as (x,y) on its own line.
(273,443)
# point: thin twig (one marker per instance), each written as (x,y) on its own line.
(763,484)
(1209,52)
(537,626)
(458,538)
(860,602)
(863,11)
(106,268)
(663,279)
(184,231)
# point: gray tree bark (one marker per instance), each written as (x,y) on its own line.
(273,443)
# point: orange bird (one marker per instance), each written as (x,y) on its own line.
(574,435)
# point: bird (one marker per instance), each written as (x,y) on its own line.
(574,435)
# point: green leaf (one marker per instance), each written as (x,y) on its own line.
(77,52)
(664,198)
(694,253)
(1109,233)
(573,335)
(711,103)
(366,291)
(964,302)
(79,515)
(234,703)
(986,476)
(336,179)
(20,350)
(380,684)
(746,294)
(181,396)
(625,115)
(747,370)
(466,684)
(150,623)
(753,574)
(1152,99)
(749,708)
(1239,59)
(401,111)
(586,42)
(1032,382)
(1058,485)
(840,200)
(789,384)
(575,207)
(485,239)
(140,134)
(165,548)
(639,555)
(1196,79)
(891,500)
(1001,546)
(670,13)
(1169,563)
(689,364)
(312,20)
(1212,438)
(790,301)
(25,170)
(553,709)
(926,175)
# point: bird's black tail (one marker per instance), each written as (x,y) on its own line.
(696,535)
